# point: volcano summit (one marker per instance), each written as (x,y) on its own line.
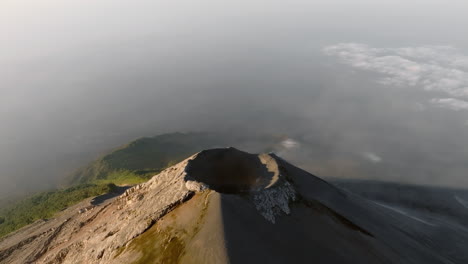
(229,206)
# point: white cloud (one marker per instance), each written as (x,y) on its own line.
(287,146)
(434,68)
(290,143)
(450,103)
(372,157)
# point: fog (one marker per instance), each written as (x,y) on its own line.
(363,89)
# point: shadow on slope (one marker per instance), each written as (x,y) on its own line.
(308,235)
(440,201)
(116,191)
(329,225)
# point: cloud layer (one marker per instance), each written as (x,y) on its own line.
(372,157)
(440,69)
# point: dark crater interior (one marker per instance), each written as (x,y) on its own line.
(229,170)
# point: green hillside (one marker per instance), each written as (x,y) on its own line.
(139,160)
(45,205)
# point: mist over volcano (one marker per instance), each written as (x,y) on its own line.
(367,89)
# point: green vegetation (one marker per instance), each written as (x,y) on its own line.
(139,160)
(125,177)
(46,204)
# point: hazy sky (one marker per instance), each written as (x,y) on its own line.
(382,83)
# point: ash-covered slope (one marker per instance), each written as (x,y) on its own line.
(228,206)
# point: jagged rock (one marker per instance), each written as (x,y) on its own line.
(195,186)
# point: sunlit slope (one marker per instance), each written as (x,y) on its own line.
(45,205)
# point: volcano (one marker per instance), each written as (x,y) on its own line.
(228,206)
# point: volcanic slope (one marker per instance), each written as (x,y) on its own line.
(229,206)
